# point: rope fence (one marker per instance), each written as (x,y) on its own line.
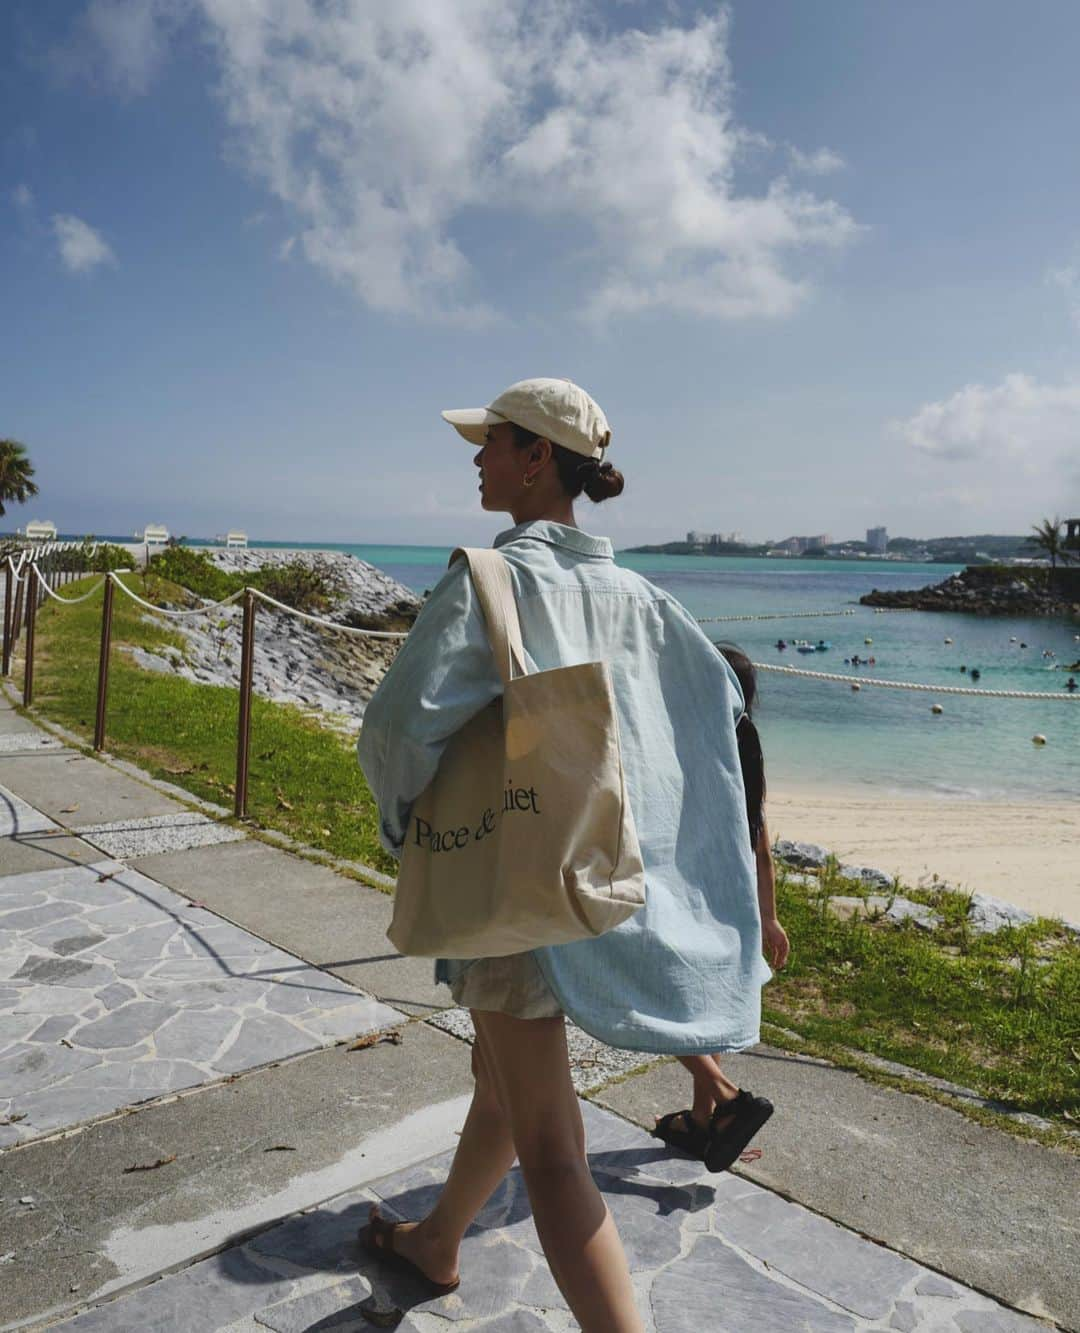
(24,595)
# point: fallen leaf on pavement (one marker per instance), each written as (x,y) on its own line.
(69,809)
(280,1147)
(373,1038)
(14,1119)
(150,1166)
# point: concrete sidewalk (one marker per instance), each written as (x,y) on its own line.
(209,987)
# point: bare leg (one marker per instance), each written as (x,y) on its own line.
(485,1153)
(582,1246)
(712,1087)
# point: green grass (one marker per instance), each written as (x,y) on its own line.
(999,1014)
(303,779)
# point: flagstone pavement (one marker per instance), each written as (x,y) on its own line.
(708,1254)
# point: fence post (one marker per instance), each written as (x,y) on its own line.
(103,664)
(16,615)
(9,584)
(243,740)
(31,621)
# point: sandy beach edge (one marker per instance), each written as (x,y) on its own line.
(1024,853)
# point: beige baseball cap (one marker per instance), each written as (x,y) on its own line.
(559,410)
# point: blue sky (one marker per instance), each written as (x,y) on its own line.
(820,264)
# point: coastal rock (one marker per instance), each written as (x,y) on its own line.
(802,855)
(874,905)
(329,673)
(987,590)
(867,875)
(988,915)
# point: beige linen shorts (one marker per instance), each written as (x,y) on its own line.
(511,985)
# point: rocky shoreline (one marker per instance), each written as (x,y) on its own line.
(989,590)
(311,666)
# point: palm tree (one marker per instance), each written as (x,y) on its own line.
(15,473)
(1050,539)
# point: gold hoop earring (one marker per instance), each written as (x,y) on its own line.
(528,481)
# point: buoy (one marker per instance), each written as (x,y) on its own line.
(936,708)
(948,640)
(856,687)
(1038,739)
(868,640)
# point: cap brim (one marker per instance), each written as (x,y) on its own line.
(471,423)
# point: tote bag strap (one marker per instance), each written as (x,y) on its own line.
(491,578)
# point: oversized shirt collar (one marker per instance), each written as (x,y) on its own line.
(559,534)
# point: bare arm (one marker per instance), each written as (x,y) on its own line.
(766,874)
(774,940)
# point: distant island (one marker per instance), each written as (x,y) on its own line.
(981,549)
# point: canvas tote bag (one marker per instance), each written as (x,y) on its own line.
(525,836)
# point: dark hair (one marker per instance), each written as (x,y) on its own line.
(599,481)
(751,759)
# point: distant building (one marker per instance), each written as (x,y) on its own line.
(877,539)
(1072,534)
(41,530)
(236,539)
(800,545)
(154,534)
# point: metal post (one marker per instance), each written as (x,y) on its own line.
(31,621)
(9,584)
(103,665)
(243,740)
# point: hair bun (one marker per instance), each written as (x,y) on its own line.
(602,481)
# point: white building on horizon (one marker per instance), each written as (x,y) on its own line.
(40,530)
(154,534)
(878,540)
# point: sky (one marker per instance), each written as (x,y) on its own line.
(818,263)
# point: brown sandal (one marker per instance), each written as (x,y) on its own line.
(377,1237)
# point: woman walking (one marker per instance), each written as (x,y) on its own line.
(683,974)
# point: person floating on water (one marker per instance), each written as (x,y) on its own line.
(1071,685)
(975,673)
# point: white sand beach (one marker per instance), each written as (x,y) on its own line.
(1026,854)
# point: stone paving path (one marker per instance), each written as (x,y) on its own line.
(115,990)
(708,1254)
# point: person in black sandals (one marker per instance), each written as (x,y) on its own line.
(724,1118)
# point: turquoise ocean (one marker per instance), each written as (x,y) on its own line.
(823,734)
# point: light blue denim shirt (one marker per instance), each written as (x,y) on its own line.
(683,975)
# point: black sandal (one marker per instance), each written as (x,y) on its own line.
(378,1238)
(725,1145)
(690,1137)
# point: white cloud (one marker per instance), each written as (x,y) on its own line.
(285,249)
(1015,419)
(819,163)
(124,42)
(382,126)
(23,198)
(1068,279)
(81,248)
(1020,434)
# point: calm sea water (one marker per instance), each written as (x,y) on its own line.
(882,740)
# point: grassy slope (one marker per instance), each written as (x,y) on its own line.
(303,779)
(999,1014)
